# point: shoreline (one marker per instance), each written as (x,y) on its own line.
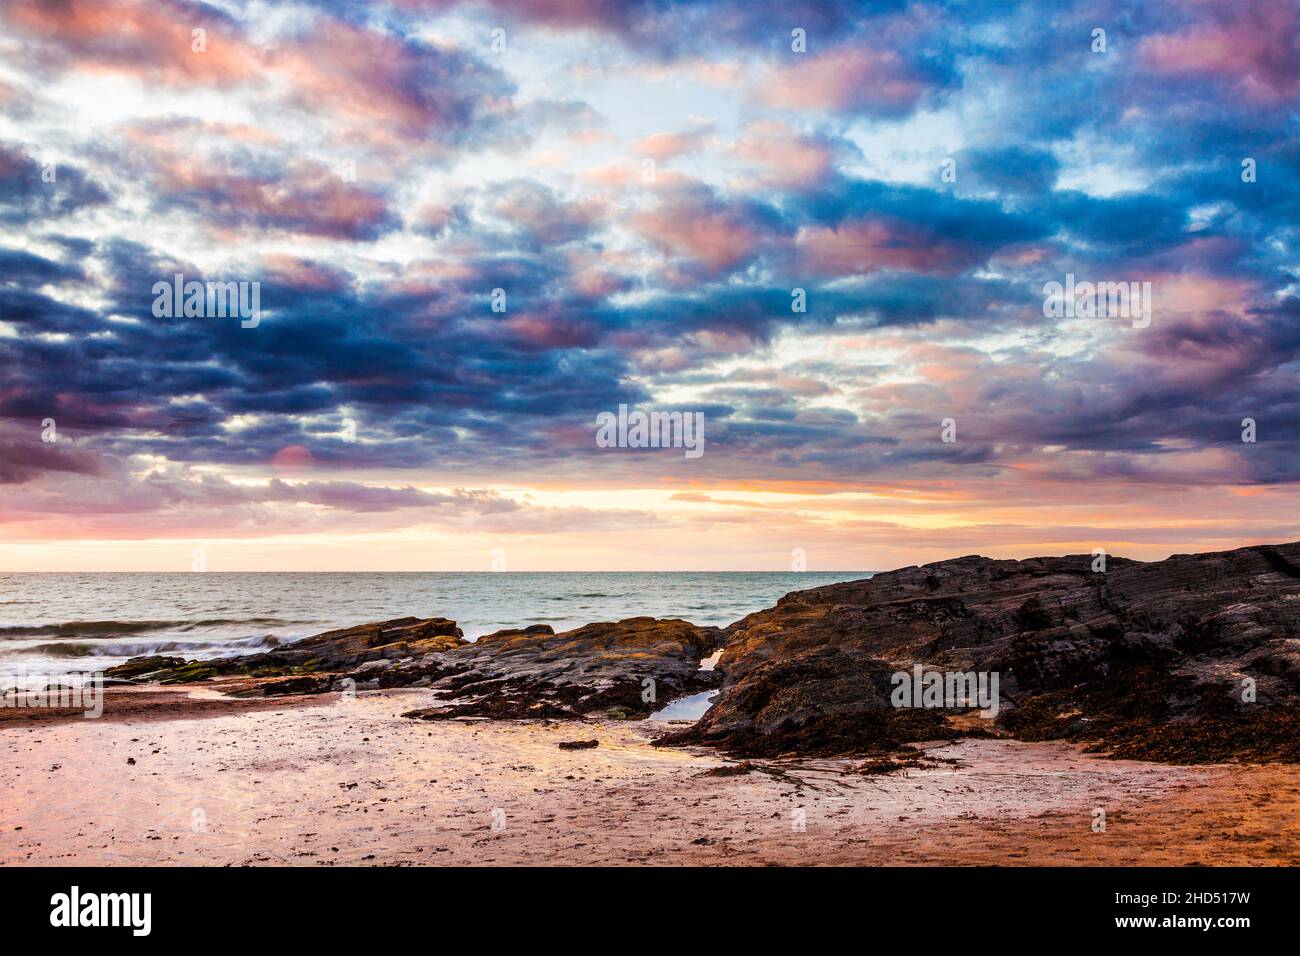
(150,702)
(324,781)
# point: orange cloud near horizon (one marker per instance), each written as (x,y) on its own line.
(743,526)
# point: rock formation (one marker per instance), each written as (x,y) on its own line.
(623,669)
(1189,659)
(1195,658)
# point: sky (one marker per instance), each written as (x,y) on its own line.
(655,189)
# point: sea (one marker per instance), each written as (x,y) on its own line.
(65,623)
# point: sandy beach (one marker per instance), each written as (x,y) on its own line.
(170,777)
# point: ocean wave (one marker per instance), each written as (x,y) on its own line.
(82,649)
(115,628)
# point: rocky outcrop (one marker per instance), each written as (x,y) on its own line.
(622,668)
(316,663)
(1195,658)
(1189,659)
(403,638)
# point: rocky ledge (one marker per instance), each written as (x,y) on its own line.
(616,669)
(1191,659)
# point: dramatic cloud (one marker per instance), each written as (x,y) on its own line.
(474,226)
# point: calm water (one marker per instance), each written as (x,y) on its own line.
(52,623)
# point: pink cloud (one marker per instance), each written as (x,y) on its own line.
(597,274)
(550,332)
(303,273)
(379,89)
(663,146)
(868,245)
(369,80)
(293,458)
(689,224)
(1190,292)
(1254,44)
(786,157)
(610,175)
(148,38)
(306,197)
(851,78)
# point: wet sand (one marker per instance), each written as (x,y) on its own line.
(320,782)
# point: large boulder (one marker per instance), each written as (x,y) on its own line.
(1158,660)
